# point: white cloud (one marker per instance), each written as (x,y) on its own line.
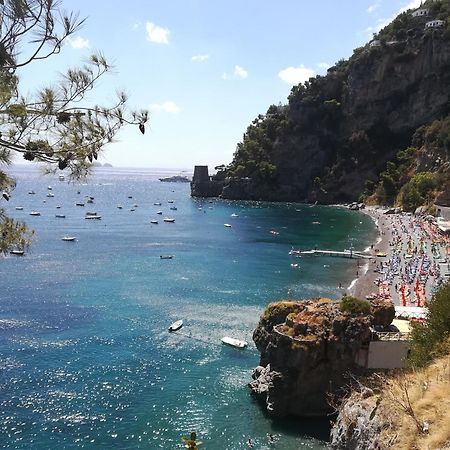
(78,42)
(372,8)
(199,58)
(381,23)
(240,72)
(323,65)
(168,107)
(135,26)
(157,34)
(295,75)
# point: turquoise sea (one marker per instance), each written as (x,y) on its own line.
(85,357)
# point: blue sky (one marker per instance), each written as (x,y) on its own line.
(205,69)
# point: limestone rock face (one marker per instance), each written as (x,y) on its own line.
(307,349)
(359,424)
(382,311)
(342,128)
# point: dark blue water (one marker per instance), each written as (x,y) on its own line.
(85,358)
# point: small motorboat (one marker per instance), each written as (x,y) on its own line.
(169,220)
(31,192)
(155,222)
(58,207)
(17,252)
(227,225)
(176,325)
(69,238)
(60,216)
(234,215)
(234,342)
(19,208)
(49,188)
(61,178)
(50,194)
(119,206)
(130,196)
(169,201)
(159,212)
(157,203)
(276,233)
(35,213)
(165,256)
(173,208)
(92,216)
(79,204)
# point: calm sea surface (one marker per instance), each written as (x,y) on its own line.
(85,357)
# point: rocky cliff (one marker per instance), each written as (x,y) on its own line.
(308,348)
(403,411)
(338,131)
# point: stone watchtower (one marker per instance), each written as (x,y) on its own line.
(202,185)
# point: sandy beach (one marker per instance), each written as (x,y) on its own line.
(415,263)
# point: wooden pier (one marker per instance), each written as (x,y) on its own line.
(344,254)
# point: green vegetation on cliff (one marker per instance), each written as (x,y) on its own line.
(430,339)
(375,127)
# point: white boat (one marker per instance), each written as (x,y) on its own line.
(176,325)
(60,216)
(35,213)
(166,256)
(157,203)
(31,192)
(119,206)
(17,252)
(173,208)
(227,225)
(169,220)
(92,216)
(19,208)
(155,222)
(234,342)
(68,238)
(61,178)
(159,212)
(49,188)
(50,194)
(234,215)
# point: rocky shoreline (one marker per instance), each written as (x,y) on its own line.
(308,348)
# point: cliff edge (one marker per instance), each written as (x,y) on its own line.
(308,348)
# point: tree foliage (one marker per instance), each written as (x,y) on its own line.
(56,125)
(430,339)
(354,305)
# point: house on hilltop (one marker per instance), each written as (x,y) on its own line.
(435,23)
(421,12)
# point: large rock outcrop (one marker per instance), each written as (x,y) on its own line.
(338,131)
(308,348)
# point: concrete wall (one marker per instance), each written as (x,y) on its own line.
(387,354)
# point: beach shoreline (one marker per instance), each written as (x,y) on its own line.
(364,284)
(409,259)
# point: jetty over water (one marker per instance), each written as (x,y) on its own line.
(343,254)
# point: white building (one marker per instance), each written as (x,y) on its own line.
(435,24)
(375,43)
(421,12)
